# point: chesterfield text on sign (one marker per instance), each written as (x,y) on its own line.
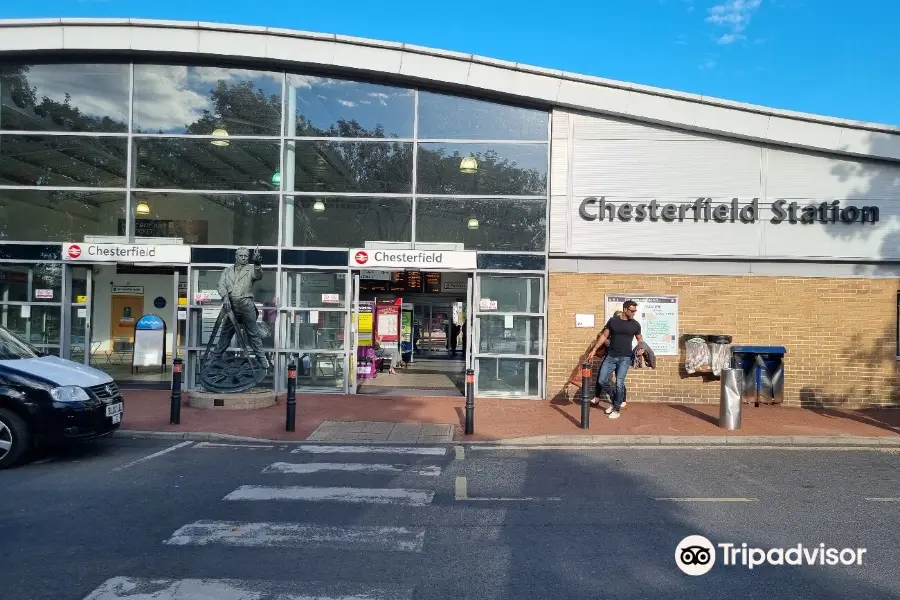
(413,259)
(127,253)
(703,209)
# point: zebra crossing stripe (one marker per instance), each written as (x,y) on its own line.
(372,449)
(297,535)
(129,588)
(309,468)
(334,494)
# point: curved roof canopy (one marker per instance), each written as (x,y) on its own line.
(464,72)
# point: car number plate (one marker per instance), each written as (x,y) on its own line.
(115,410)
(116,419)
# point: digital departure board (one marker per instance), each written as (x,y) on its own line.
(413,281)
(432,283)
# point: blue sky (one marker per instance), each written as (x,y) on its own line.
(821,56)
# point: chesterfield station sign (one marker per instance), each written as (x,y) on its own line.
(703,209)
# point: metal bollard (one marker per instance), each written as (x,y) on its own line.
(291,396)
(175,408)
(470,401)
(585,399)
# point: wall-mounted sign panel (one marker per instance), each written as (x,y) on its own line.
(412,259)
(126,253)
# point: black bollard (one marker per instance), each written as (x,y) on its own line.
(291,396)
(585,399)
(175,408)
(470,401)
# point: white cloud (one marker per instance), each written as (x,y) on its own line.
(708,64)
(735,15)
(730,38)
(96,90)
(348,103)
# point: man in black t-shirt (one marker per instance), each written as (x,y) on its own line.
(620,331)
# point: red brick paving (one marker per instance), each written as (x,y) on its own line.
(497,419)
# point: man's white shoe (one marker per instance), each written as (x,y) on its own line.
(624,404)
(608,410)
(614,415)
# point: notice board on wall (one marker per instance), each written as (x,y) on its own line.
(658,317)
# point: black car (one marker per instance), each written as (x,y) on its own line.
(45,399)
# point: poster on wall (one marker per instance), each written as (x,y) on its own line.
(658,316)
(364,323)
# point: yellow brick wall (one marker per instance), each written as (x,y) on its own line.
(840,334)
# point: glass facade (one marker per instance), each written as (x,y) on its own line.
(222,157)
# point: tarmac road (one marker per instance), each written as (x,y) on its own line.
(165,520)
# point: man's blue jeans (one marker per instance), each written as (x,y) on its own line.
(620,365)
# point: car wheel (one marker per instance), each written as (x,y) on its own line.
(15,438)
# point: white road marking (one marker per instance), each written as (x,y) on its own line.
(128,588)
(154,455)
(708,499)
(219,445)
(296,535)
(373,449)
(335,494)
(462,494)
(460,453)
(307,468)
(883,499)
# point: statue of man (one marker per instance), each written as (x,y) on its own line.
(236,289)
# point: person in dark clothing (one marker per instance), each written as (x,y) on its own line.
(620,331)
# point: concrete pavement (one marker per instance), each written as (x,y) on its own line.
(123,518)
(501,420)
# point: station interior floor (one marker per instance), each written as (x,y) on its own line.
(432,374)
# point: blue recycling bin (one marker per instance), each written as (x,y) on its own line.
(762,368)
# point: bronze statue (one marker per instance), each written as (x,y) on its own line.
(239,314)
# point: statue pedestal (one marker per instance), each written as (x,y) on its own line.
(238,401)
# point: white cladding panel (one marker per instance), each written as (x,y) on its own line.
(625,162)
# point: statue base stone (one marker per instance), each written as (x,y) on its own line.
(248,400)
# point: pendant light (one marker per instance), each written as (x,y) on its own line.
(473,223)
(142,208)
(220,137)
(468,165)
(319,206)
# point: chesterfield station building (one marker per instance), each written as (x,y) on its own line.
(467,211)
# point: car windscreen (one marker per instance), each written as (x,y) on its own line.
(12,348)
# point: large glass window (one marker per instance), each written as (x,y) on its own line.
(205,164)
(59,215)
(64,97)
(209,219)
(359,167)
(340,108)
(512,294)
(443,116)
(483,223)
(481,169)
(346,222)
(315,289)
(509,377)
(202,100)
(66,161)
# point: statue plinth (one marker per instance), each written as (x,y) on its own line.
(249,400)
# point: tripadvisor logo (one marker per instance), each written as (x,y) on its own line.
(696,555)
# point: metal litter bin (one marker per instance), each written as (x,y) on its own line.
(730,399)
(762,369)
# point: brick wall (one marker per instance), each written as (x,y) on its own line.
(840,334)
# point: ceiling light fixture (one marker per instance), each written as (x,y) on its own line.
(473,223)
(319,206)
(468,165)
(220,137)
(142,208)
